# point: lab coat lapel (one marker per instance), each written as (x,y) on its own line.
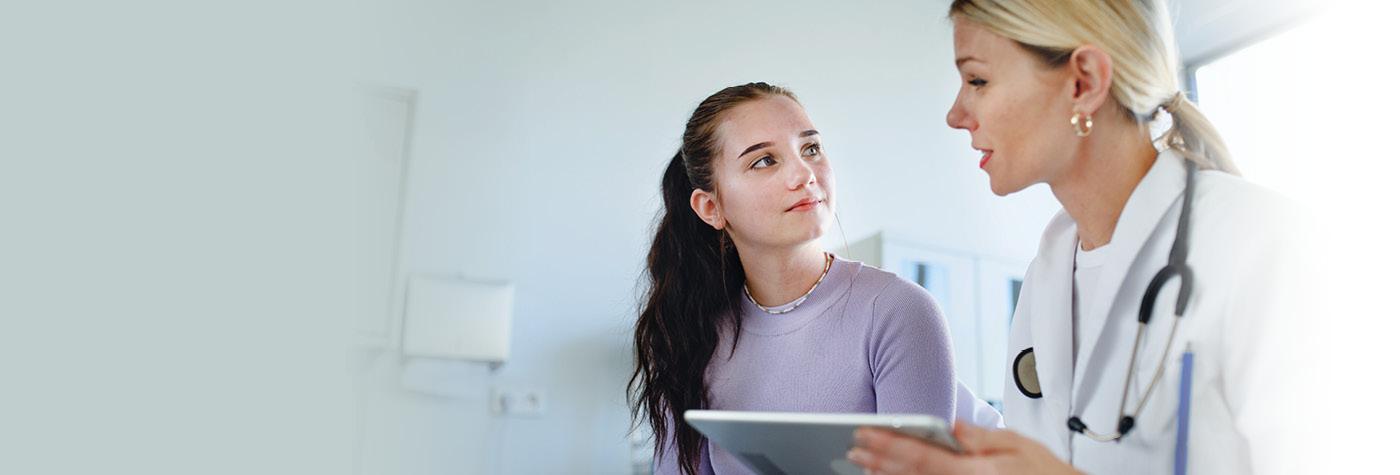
(1142,216)
(1051,330)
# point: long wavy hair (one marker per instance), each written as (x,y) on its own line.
(694,286)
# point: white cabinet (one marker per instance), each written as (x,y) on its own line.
(998,288)
(976,294)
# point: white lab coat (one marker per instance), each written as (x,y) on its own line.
(973,410)
(1240,243)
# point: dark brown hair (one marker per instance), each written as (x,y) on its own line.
(694,283)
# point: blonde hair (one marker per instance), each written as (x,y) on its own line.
(1136,35)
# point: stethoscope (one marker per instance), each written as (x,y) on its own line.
(1023,368)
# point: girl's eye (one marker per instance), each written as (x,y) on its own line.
(765,162)
(812,151)
(978,82)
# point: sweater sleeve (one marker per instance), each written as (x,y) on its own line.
(911,353)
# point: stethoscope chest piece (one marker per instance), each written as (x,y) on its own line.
(1023,372)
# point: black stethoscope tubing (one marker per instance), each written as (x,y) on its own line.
(1176,267)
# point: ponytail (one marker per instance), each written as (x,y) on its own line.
(695,281)
(1195,138)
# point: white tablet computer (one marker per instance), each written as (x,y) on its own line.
(806,443)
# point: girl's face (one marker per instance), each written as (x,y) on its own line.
(773,183)
(1016,109)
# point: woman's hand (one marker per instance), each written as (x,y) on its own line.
(985,452)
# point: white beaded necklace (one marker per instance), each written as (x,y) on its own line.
(795,303)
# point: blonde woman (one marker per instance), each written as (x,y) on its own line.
(1137,343)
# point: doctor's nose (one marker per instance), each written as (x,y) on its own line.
(958,118)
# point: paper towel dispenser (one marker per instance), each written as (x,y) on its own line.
(458,318)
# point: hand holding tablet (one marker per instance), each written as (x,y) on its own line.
(803,443)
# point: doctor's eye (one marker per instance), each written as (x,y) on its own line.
(763,162)
(977,82)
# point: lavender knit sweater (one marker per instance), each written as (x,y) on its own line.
(864,341)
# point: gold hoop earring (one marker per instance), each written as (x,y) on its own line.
(1083,124)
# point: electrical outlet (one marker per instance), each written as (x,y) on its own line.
(517,403)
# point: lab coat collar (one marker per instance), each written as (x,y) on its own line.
(1143,214)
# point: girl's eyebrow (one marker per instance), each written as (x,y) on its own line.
(805,133)
(754,147)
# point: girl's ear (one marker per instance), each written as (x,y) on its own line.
(707,208)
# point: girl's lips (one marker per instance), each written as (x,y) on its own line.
(985,156)
(805,205)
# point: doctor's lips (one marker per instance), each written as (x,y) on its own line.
(805,204)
